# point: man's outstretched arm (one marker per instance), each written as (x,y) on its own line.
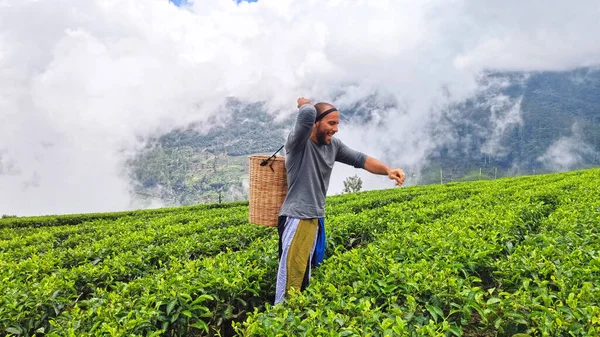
(376,167)
(357,159)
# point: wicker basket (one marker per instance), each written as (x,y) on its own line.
(268,188)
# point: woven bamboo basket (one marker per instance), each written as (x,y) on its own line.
(268,188)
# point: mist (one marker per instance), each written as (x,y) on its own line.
(83,83)
(568,152)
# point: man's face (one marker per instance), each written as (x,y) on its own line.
(327,127)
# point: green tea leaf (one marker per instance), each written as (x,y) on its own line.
(493,300)
(170,306)
(200,325)
(13,330)
(434,311)
(456,331)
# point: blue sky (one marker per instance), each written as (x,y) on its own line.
(182,2)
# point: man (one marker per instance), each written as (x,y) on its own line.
(311,152)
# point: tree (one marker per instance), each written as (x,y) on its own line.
(352,184)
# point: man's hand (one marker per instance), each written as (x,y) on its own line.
(302,101)
(397,175)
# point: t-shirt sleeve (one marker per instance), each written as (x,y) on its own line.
(349,156)
(303,127)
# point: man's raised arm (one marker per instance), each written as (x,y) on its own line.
(304,124)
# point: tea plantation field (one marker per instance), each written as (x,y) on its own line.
(509,257)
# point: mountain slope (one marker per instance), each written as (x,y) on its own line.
(521,122)
(518,123)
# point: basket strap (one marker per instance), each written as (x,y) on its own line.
(266,161)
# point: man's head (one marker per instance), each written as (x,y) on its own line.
(326,124)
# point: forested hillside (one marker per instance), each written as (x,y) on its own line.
(519,123)
(522,124)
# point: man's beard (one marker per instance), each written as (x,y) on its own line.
(321,137)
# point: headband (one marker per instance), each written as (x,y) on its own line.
(321,116)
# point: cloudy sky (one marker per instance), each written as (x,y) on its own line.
(83,81)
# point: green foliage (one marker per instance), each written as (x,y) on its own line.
(75,219)
(505,257)
(492,257)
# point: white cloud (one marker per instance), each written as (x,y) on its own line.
(532,35)
(81,80)
(568,153)
(505,114)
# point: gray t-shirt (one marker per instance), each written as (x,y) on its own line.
(309,167)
